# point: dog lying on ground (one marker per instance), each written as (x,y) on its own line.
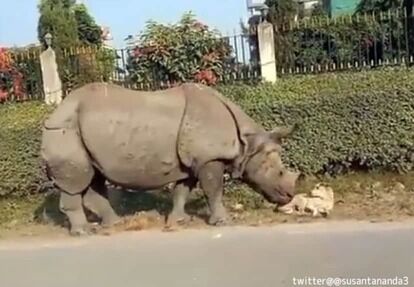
(319,202)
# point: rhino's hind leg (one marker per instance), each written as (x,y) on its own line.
(96,200)
(180,194)
(71,206)
(211,180)
(69,166)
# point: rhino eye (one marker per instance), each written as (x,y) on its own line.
(281,173)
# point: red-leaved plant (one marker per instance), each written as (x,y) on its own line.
(11,80)
(186,51)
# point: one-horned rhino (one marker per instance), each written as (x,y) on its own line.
(186,135)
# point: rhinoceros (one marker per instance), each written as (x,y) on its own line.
(189,134)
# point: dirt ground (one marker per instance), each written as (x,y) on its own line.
(372,197)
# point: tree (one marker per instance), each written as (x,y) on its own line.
(71,26)
(281,14)
(58,19)
(282,11)
(89,32)
(369,6)
(69,23)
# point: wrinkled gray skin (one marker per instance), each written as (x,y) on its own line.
(145,140)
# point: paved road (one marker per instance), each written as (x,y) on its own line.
(242,257)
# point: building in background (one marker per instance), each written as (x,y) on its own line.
(332,7)
(340,7)
(255,7)
(107,37)
(306,7)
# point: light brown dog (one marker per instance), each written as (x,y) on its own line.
(320,201)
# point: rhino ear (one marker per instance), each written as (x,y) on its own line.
(280,133)
(255,143)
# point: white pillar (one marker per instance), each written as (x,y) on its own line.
(52,85)
(267,51)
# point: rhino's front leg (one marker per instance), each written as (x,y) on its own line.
(180,194)
(211,180)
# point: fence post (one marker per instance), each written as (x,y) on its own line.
(267,56)
(52,85)
(410,29)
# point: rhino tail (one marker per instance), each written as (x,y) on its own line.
(67,161)
(66,113)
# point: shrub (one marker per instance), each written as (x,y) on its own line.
(188,50)
(349,120)
(11,79)
(86,64)
(352,120)
(365,38)
(19,147)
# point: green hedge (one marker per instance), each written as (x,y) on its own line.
(19,147)
(348,120)
(361,120)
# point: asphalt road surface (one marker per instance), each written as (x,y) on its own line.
(232,256)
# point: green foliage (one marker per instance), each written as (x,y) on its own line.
(281,11)
(318,10)
(376,34)
(86,65)
(281,14)
(27,62)
(106,59)
(19,147)
(70,24)
(73,29)
(347,121)
(370,6)
(58,19)
(89,32)
(358,40)
(188,50)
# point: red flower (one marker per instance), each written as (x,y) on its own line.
(3,95)
(207,77)
(18,86)
(211,57)
(5,60)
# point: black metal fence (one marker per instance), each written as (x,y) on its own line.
(322,44)
(22,80)
(239,66)
(314,45)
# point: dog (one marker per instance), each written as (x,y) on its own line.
(320,201)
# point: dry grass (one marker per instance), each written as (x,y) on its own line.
(374,197)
